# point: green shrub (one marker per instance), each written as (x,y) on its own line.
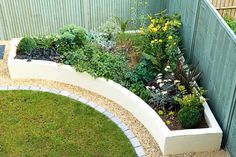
(45,42)
(232,23)
(192,100)
(98,63)
(189,117)
(139,89)
(71,37)
(144,72)
(26,45)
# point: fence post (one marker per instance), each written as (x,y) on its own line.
(195,31)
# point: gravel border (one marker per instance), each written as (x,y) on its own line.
(127,131)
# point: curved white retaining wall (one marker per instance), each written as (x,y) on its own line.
(170,142)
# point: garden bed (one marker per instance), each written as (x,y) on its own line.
(171,142)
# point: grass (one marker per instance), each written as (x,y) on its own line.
(232,23)
(44,124)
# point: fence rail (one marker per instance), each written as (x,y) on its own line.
(226,7)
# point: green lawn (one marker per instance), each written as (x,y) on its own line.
(44,124)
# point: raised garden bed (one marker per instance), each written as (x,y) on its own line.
(145,72)
(171,142)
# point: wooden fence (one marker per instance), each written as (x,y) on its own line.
(226,7)
(33,17)
(210,44)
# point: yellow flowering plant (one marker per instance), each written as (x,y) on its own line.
(161,40)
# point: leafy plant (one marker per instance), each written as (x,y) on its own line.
(161,40)
(164,92)
(192,100)
(123,24)
(189,117)
(144,72)
(109,29)
(187,75)
(232,23)
(45,42)
(71,37)
(139,89)
(26,45)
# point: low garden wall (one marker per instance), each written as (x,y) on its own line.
(170,142)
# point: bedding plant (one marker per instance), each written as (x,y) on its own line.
(148,63)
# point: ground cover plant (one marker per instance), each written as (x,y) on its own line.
(43,124)
(232,23)
(148,63)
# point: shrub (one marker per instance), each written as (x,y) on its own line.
(164,92)
(45,42)
(98,63)
(161,40)
(109,29)
(189,117)
(232,23)
(192,100)
(139,89)
(26,45)
(144,72)
(71,37)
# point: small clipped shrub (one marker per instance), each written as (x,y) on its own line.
(189,117)
(26,46)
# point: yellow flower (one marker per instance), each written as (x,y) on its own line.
(160,41)
(165,28)
(154,30)
(155,40)
(152,42)
(174,43)
(170,37)
(153,21)
(167,23)
(160,112)
(171,113)
(168,122)
(150,26)
(142,31)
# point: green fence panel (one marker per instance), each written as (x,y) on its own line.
(211,45)
(188,11)
(215,54)
(32,17)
